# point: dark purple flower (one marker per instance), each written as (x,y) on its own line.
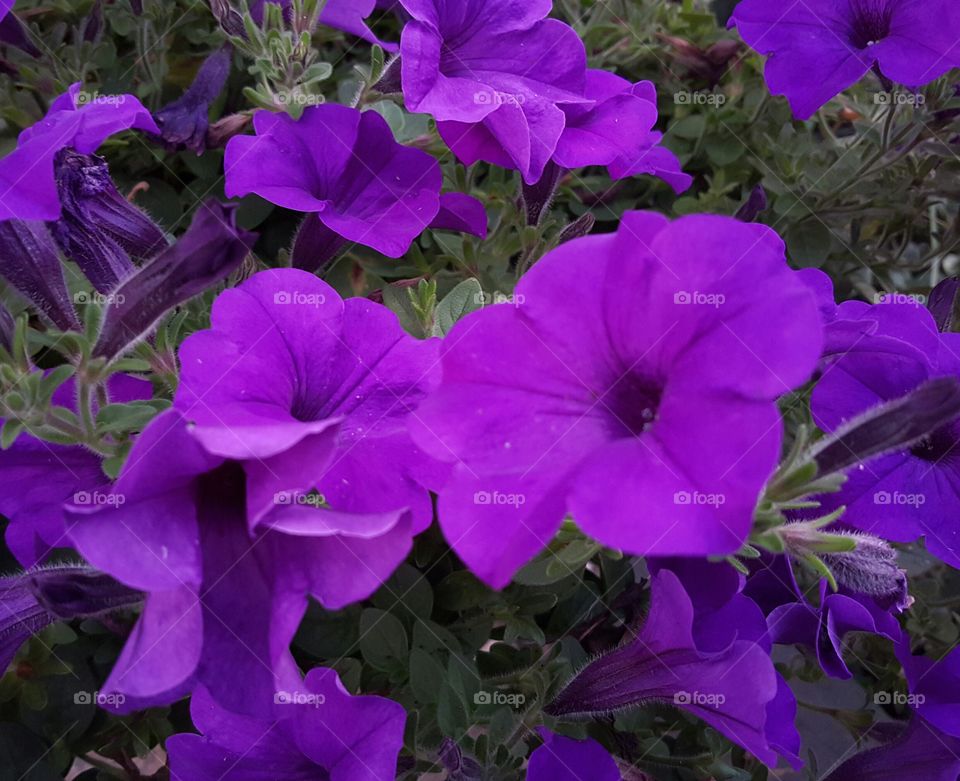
(649,391)
(754,206)
(921,753)
(30,263)
(34,600)
(935,686)
(13,32)
(28,188)
(206,254)
(943,303)
(730,688)
(566,759)
(911,493)
(343,166)
(498,64)
(822,628)
(818,48)
(318,732)
(184,122)
(244,498)
(38,477)
(99,229)
(461,212)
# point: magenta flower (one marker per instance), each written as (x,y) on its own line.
(566,759)
(497,64)
(818,48)
(318,731)
(243,500)
(343,166)
(28,190)
(642,403)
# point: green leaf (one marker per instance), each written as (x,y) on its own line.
(383,640)
(425,673)
(465,298)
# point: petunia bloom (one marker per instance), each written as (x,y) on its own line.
(184,122)
(565,759)
(909,494)
(319,732)
(729,688)
(818,48)
(284,470)
(641,403)
(343,166)
(498,67)
(28,189)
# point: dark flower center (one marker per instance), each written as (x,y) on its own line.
(634,401)
(870,21)
(942,445)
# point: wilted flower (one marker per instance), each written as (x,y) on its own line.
(318,731)
(79,120)
(647,394)
(343,166)
(184,122)
(818,48)
(99,229)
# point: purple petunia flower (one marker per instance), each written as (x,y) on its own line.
(818,48)
(641,403)
(343,166)
(566,759)
(38,477)
(615,129)
(28,190)
(283,470)
(908,494)
(184,122)
(499,64)
(734,688)
(319,732)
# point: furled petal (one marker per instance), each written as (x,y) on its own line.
(184,122)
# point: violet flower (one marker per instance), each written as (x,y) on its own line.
(318,731)
(34,600)
(28,189)
(343,166)
(564,759)
(13,32)
(37,478)
(242,500)
(184,122)
(30,263)
(345,15)
(729,688)
(648,393)
(206,254)
(943,303)
(99,229)
(818,48)
(911,493)
(498,64)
